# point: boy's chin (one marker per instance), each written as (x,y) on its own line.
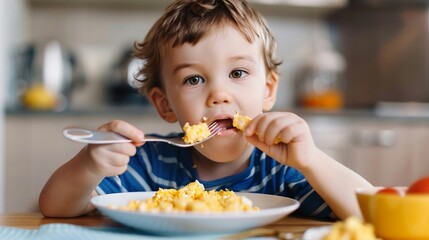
(223,151)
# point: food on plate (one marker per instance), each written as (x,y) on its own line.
(191,198)
(420,186)
(241,121)
(351,229)
(389,190)
(196,133)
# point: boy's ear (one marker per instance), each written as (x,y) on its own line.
(270,94)
(162,105)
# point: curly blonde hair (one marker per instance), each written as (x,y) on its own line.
(187,21)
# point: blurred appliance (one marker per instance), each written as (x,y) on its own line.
(49,66)
(122,85)
(318,84)
(386,46)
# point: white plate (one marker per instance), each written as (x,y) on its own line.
(271,207)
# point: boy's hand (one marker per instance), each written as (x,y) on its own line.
(112,159)
(296,146)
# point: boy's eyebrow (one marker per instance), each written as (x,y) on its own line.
(181,66)
(233,58)
(243,57)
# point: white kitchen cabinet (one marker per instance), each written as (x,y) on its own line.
(386,151)
(379,164)
(389,161)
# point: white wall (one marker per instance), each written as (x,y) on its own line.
(3,76)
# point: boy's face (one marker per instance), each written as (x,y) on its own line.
(220,75)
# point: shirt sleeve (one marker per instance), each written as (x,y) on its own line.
(153,166)
(133,179)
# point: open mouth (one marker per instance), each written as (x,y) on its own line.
(225,124)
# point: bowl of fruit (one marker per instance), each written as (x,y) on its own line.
(397,212)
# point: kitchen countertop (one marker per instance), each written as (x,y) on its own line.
(105,110)
(148,110)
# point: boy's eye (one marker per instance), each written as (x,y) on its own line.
(194,80)
(237,74)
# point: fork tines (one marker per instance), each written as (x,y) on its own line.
(214,128)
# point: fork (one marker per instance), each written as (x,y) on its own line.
(83,135)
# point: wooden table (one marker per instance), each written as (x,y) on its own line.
(288,224)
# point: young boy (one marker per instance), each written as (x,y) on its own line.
(210,59)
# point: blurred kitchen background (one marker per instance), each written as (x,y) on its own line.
(356,70)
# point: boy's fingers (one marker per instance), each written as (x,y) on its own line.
(138,143)
(125,129)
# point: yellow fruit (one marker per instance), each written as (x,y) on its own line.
(39,98)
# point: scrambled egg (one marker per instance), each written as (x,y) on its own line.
(195,133)
(351,229)
(191,198)
(240,122)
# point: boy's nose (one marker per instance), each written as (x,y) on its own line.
(219,97)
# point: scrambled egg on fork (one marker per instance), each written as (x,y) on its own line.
(191,198)
(195,133)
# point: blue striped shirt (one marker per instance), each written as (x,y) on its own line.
(161,165)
